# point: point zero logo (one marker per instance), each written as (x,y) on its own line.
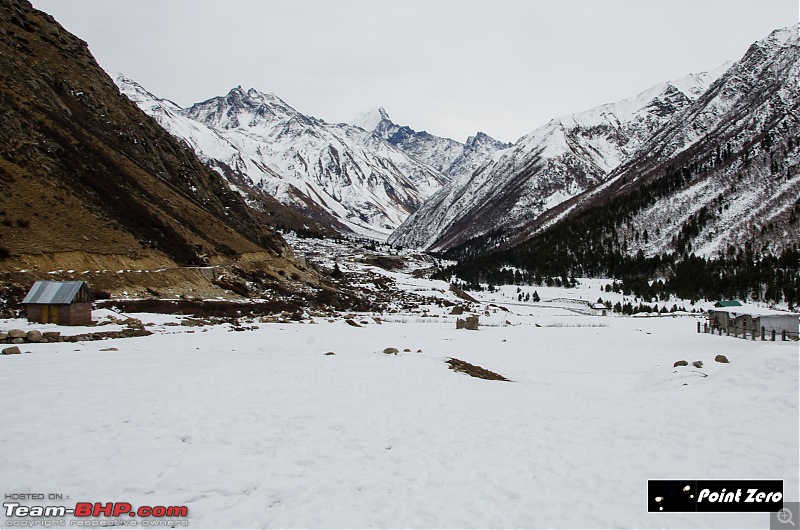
(715,495)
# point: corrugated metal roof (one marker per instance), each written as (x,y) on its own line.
(47,292)
(728,303)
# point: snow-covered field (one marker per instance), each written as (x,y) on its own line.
(260,428)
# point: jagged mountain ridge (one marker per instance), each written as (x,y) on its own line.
(339,174)
(449,156)
(546,167)
(222,155)
(729,161)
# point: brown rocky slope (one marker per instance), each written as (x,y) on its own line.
(88,182)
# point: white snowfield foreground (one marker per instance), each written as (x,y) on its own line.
(260,429)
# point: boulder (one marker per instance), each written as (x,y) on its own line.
(457,310)
(472,323)
(18,340)
(13,350)
(680,363)
(3,335)
(34,335)
(391,351)
(329,353)
(461,323)
(52,336)
(721,359)
(17,334)
(389,263)
(697,364)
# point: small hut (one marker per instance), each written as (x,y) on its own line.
(64,303)
(724,314)
(735,318)
(599,309)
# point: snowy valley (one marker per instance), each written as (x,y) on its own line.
(272,422)
(304,324)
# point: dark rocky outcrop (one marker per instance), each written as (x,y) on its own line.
(475,371)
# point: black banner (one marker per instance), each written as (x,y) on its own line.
(714,495)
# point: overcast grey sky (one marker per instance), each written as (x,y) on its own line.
(451,67)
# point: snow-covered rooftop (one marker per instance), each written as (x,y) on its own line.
(753,310)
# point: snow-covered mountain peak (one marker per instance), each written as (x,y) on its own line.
(547,166)
(661,99)
(729,117)
(253,98)
(341,175)
(763,51)
(788,36)
(240,108)
(445,155)
(482,139)
(693,85)
(370,118)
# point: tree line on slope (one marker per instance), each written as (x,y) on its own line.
(594,244)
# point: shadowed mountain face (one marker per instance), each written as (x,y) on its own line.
(83,170)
